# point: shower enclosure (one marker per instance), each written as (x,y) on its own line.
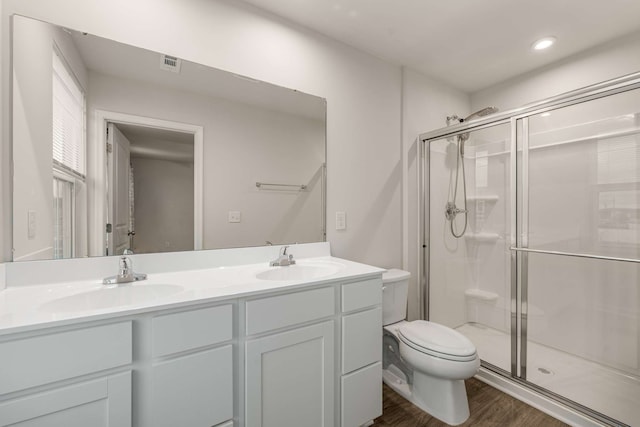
(544,277)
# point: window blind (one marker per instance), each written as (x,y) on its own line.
(68,119)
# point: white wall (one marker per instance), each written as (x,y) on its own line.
(363,94)
(425,105)
(163,201)
(5,157)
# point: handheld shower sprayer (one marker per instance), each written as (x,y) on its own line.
(451,210)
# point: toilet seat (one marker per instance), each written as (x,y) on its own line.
(437,340)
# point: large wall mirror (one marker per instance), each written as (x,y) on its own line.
(117,147)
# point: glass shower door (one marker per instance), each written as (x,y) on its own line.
(579,253)
(469,237)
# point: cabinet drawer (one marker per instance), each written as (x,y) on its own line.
(35,361)
(285,310)
(362,396)
(173,333)
(105,401)
(194,390)
(361,339)
(361,294)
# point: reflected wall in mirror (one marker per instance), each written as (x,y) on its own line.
(191,144)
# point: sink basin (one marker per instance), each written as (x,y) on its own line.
(300,271)
(111,296)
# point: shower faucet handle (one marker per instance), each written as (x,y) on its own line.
(451,211)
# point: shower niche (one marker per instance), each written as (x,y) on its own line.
(540,265)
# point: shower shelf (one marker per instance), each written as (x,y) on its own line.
(490,198)
(482,237)
(479,294)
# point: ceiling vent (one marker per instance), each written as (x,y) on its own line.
(170,63)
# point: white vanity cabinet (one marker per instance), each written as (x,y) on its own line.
(73,377)
(290,374)
(283,355)
(295,374)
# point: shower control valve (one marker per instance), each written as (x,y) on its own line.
(451,211)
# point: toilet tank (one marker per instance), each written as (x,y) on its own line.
(395,289)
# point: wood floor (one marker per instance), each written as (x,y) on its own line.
(489,407)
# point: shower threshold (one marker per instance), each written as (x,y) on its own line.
(590,384)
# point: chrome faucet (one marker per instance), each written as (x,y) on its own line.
(125,273)
(283,259)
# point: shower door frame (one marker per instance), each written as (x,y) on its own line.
(518,244)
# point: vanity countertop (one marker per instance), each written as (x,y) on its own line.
(25,308)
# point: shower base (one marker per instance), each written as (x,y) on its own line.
(598,387)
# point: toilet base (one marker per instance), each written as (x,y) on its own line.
(395,379)
(443,399)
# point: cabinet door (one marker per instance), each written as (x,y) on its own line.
(361,339)
(362,396)
(105,402)
(290,378)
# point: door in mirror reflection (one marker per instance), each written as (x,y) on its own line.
(151,189)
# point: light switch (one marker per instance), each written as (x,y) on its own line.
(341,221)
(31,225)
(234,216)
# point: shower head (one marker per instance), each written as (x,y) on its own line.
(480,113)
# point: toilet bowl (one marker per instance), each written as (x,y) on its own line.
(423,361)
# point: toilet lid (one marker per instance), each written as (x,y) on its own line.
(433,338)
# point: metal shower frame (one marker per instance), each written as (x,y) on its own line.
(518,244)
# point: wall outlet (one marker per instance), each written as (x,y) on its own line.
(31,225)
(234,216)
(341,221)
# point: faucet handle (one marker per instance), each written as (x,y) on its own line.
(284,250)
(125,265)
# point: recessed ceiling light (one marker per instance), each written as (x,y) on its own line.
(544,43)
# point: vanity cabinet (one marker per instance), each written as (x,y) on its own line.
(307,355)
(290,375)
(74,377)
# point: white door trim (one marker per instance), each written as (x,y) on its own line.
(98,182)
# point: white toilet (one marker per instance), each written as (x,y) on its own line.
(424,362)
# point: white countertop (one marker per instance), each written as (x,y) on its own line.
(25,308)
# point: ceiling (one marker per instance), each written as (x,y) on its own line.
(155,143)
(468,44)
(125,61)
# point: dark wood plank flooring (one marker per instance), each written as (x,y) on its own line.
(488,406)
